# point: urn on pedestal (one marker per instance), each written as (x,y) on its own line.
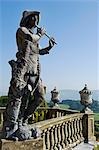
(86,98)
(55,96)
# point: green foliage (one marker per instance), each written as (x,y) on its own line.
(96,147)
(43,104)
(3,100)
(76,105)
(36,116)
(64,106)
(96,116)
(96,127)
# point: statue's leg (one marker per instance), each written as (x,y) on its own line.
(39,96)
(24,103)
(16,91)
(12,111)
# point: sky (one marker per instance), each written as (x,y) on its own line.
(71,63)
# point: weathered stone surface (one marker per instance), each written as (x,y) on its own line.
(34,144)
(88,127)
(86,98)
(25,82)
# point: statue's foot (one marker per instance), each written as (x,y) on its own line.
(9,129)
(13,138)
(23,133)
(36,132)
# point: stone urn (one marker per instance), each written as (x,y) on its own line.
(86,98)
(55,96)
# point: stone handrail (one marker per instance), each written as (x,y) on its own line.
(43,113)
(62,132)
(48,113)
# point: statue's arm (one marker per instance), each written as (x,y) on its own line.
(46,50)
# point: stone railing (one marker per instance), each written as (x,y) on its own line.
(62,132)
(43,113)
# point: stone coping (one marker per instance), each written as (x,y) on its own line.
(49,108)
(58,108)
(55,121)
(33,144)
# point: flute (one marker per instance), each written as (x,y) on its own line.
(46,35)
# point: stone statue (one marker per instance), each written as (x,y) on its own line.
(25,78)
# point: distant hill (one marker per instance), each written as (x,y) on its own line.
(73,94)
(76,105)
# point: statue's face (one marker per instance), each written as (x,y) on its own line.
(33,21)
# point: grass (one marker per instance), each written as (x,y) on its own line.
(96,147)
(96,116)
(64,106)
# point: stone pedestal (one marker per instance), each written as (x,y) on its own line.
(88,127)
(34,144)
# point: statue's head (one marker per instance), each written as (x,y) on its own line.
(30,19)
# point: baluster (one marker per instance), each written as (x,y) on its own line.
(75,130)
(61,113)
(45,115)
(79,137)
(33,117)
(44,139)
(66,134)
(48,139)
(69,129)
(72,131)
(78,124)
(62,136)
(1,118)
(52,138)
(57,114)
(59,137)
(56,137)
(81,134)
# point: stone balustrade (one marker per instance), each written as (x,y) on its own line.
(62,132)
(43,113)
(59,130)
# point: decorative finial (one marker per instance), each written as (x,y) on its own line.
(55,96)
(86,97)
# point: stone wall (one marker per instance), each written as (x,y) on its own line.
(34,144)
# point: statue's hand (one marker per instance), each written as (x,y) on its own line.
(51,42)
(41,31)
